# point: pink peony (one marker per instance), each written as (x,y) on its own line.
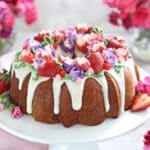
(16,112)
(113,17)
(140,86)
(6,15)
(141,17)
(123,5)
(31,13)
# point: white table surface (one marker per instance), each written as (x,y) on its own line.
(56,14)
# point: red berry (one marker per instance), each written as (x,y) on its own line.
(49,70)
(96,61)
(55,46)
(81,44)
(62,73)
(107,66)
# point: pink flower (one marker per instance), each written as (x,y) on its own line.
(123,5)
(140,86)
(113,17)
(127,22)
(16,112)
(141,17)
(31,13)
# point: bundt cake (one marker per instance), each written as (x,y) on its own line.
(78,75)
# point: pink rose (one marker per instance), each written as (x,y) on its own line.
(141,18)
(16,112)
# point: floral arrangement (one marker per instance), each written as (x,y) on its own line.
(9,9)
(96,50)
(130,13)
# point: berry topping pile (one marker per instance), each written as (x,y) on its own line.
(73,52)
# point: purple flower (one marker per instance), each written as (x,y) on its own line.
(50,50)
(16,112)
(109,57)
(38,62)
(32,44)
(76,73)
(68,66)
(71,33)
(68,45)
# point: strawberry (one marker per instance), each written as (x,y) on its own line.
(83,63)
(141,102)
(115,43)
(59,36)
(81,44)
(40,36)
(82,28)
(4,81)
(49,70)
(26,56)
(96,61)
(122,53)
(55,46)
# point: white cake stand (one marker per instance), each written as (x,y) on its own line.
(60,138)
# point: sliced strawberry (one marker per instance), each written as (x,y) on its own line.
(40,36)
(26,56)
(83,63)
(115,43)
(49,70)
(81,44)
(4,81)
(122,53)
(141,102)
(82,28)
(96,61)
(59,36)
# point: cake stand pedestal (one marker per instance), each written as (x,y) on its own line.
(77,137)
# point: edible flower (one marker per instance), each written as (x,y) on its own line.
(16,112)
(144,86)
(76,73)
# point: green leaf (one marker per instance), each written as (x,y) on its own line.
(67,77)
(17,56)
(11,106)
(4,98)
(97,30)
(106,42)
(118,67)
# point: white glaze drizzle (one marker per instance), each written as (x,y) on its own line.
(75,89)
(119,78)
(103,82)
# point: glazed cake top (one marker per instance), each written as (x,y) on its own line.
(73,53)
